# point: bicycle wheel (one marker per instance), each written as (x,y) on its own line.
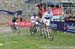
(13,27)
(49,35)
(18,29)
(33,31)
(38,31)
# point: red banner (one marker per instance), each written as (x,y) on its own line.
(57,11)
(10,23)
(22,24)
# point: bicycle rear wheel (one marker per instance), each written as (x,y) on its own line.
(48,34)
(13,27)
(32,31)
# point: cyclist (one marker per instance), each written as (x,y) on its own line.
(38,26)
(46,18)
(14,21)
(33,21)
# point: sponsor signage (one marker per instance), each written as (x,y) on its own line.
(64,26)
(54,26)
(22,24)
(69,26)
(61,26)
(57,11)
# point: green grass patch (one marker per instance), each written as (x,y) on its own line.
(25,41)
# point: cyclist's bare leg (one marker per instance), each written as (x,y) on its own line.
(50,34)
(43,30)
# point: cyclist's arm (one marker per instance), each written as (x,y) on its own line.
(51,16)
(42,18)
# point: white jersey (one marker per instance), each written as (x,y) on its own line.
(47,15)
(46,18)
(32,19)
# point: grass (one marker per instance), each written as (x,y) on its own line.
(25,41)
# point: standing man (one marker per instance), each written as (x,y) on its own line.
(14,23)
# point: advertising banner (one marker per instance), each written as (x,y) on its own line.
(63,26)
(22,24)
(55,25)
(69,27)
(57,11)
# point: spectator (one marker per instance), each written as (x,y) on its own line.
(14,23)
(14,19)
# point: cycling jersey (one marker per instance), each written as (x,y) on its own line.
(46,18)
(47,15)
(32,19)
